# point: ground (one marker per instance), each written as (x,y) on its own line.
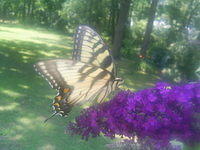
(26,98)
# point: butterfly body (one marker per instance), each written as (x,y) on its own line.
(90,75)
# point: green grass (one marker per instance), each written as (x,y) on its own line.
(25,97)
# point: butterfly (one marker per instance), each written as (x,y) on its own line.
(90,74)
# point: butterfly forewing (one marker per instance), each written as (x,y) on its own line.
(90,48)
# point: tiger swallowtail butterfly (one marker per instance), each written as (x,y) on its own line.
(89,75)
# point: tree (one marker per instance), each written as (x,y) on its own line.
(182,16)
(120,27)
(149,28)
(114,14)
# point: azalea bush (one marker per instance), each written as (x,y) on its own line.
(158,115)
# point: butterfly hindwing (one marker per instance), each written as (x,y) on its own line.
(76,82)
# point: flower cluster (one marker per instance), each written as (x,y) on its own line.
(162,113)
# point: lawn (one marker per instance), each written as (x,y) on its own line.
(26,98)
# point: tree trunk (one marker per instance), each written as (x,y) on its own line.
(24,11)
(120,26)
(32,11)
(113,17)
(149,28)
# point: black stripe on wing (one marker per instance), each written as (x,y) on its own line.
(69,78)
(50,73)
(90,48)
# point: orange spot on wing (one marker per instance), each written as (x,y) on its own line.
(58,98)
(66,90)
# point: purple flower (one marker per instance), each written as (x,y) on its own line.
(161,113)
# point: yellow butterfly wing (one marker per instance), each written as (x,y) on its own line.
(76,82)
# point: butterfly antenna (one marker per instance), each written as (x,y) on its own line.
(50,117)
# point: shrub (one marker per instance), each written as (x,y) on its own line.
(158,114)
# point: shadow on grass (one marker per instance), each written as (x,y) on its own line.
(133,79)
(25,102)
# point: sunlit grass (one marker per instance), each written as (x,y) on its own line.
(9,107)
(47,146)
(40,37)
(11,93)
